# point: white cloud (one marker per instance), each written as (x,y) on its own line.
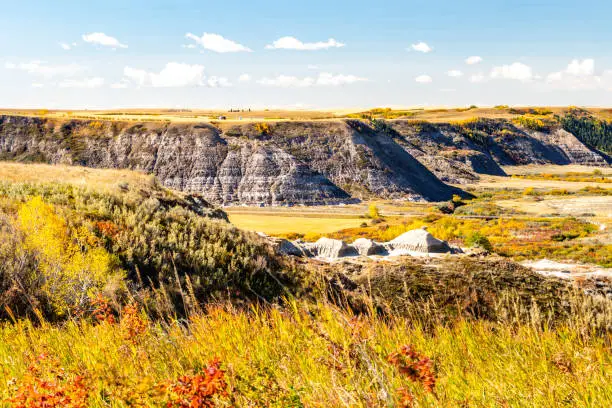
(517,71)
(174,74)
(477,78)
(218,82)
(585,67)
(287,81)
(90,83)
(454,73)
(421,47)
(217,43)
(292,43)
(578,75)
(189,46)
(576,68)
(323,79)
(244,78)
(475,59)
(423,79)
(43,69)
(313,67)
(554,76)
(103,39)
(37,85)
(67,46)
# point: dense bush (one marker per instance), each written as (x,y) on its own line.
(593,132)
(478,240)
(476,129)
(537,124)
(66,244)
(447,289)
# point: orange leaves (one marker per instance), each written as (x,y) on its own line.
(132,324)
(46,385)
(197,391)
(406,399)
(417,367)
(107,228)
(101,309)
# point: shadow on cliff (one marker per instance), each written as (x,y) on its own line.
(403,168)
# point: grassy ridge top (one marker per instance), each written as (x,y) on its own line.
(208,115)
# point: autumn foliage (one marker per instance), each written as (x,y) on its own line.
(414,366)
(197,391)
(46,385)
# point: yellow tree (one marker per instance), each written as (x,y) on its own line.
(71,262)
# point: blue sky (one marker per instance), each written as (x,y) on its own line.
(315,54)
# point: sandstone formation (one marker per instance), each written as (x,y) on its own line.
(419,240)
(409,243)
(330,248)
(366,247)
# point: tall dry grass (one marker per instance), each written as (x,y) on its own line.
(307,355)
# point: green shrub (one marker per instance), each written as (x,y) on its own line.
(531,123)
(160,242)
(477,240)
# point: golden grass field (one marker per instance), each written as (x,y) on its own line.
(555,169)
(209,115)
(303,356)
(105,180)
(319,219)
(175,116)
(487,181)
(293,222)
(568,206)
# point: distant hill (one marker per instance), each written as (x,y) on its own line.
(310,162)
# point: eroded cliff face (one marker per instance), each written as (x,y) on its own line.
(301,163)
(457,155)
(287,163)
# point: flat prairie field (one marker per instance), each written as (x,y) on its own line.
(285,223)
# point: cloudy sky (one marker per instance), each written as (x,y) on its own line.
(304,54)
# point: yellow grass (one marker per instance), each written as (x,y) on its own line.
(521,184)
(106,180)
(293,223)
(167,115)
(316,357)
(533,169)
(432,114)
(569,206)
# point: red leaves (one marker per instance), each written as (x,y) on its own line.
(197,391)
(45,386)
(132,324)
(417,367)
(107,228)
(102,311)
